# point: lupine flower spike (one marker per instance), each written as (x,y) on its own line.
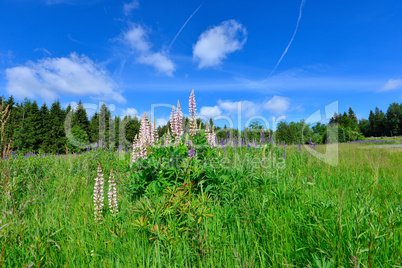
(173,122)
(112,195)
(178,119)
(193,121)
(98,195)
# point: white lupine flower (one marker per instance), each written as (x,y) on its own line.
(193,121)
(98,195)
(112,194)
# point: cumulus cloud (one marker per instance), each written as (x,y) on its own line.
(128,7)
(160,122)
(73,75)
(391,84)
(249,108)
(130,112)
(277,105)
(137,39)
(210,112)
(216,43)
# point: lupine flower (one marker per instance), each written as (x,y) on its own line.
(193,121)
(262,137)
(314,145)
(310,142)
(173,121)
(300,149)
(112,194)
(98,195)
(141,143)
(191,153)
(179,118)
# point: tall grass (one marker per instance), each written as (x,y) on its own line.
(297,212)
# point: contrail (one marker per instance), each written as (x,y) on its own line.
(184,25)
(291,40)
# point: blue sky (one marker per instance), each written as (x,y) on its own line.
(276,58)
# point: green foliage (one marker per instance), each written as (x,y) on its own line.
(223,208)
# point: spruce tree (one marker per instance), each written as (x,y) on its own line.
(45,130)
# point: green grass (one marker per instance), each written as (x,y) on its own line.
(295,213)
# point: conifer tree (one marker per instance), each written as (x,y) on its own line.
(57,135)
(44,135)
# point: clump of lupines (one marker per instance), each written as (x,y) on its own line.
(98,195)
(112,195)
(193,121)
(145,139)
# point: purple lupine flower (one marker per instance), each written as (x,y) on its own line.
(262,137)
(191,153)
(310,142)
(222,142)
(248,145)
(96,146)
(300,149)
(314,145)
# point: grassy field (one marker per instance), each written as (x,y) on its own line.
(233,211)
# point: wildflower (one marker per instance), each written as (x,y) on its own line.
(141,143)
(300,149)
(112,195)
(179,118)
(98,195)
(193,121)
(191,153)
(173,121)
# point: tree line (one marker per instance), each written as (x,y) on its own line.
(30,128)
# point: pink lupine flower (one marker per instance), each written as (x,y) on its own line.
(193,121)
(112,195)
(141,144)
(178,121)
(173,122)
(98,195)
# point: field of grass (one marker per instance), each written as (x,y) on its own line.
(233,211)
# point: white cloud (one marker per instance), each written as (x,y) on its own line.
(161,62)
(216,43)
(161,122)
(391,84)
(248,107)
(210,112)
(74,75)
(128,7)
(130,111)
(277,105)
(136,39)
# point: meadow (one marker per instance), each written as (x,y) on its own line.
(230,206)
